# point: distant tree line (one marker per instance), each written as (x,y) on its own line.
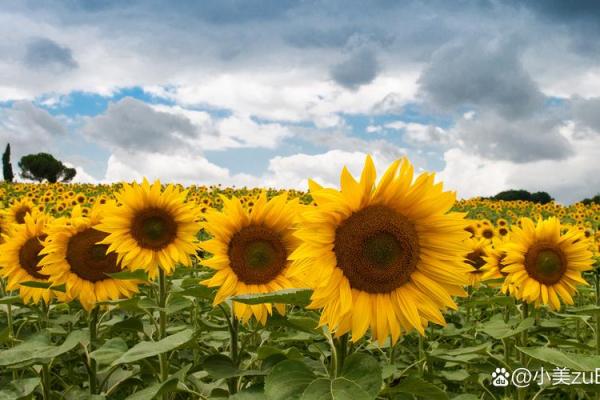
(593,200)
(520,194)
(38,167)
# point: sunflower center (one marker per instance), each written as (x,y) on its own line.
(475,259)
(87,259)
(487,233)
(545,263)
(377,249)
(154,228)
(382,250)
(21,213)
(29,257)
(257,254)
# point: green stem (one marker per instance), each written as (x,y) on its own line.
(342,352)
(93,339)
(162,331)
(421,355)
(233,325)
(46,381)
(333,366)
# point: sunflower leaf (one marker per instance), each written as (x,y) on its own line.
(19,389)
(299,297)
(138,274)
(576,362)
(149,349)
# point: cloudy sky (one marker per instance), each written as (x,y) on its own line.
(491,94)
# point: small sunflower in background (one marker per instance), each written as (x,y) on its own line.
(494,268)
(250,251)
(19,258)
(479,248)
(72,256)
(546,265)
(15,214)
(386,257)
(150,228)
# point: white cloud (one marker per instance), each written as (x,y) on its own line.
(568,180)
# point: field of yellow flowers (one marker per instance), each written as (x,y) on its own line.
(385,287)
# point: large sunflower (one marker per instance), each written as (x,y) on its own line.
(19,258)
(250,251)
(386,256)
(545,264)
(73,257)
(15,214)
(150,228)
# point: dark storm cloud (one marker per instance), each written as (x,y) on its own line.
(586,114)
(46,53)
(480,74)
(519,140)
(359,68)
(131,124)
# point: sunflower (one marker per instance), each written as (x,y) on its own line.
(72,256)
(545,264)
(479,248)
(150,228)
(250,252)
(19,258)
(386,256)
(15,214)
(494,267)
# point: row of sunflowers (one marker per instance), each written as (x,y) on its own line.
(379,260)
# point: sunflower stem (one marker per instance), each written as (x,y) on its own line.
(46,381)
(93,338)
(421,346)
(233,325)
(524,315)
(162,331)
(333,366)
(342,351)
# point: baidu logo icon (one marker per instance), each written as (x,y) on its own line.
(500,377)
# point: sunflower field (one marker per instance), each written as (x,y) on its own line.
(384,288)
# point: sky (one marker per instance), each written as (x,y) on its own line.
(491,95)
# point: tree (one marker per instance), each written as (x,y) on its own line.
(44,166)
(6,165)
(593,200)
(511,195)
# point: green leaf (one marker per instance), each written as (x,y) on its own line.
(149,349)
(170,385)
(178,303)
(19,389)
(364,370)
(576,362)
(338,389)
(36,284)
(498,329)
(10,300)
(109,351)
(39,349)
(251,393)
(300,297)
(420,388)
(138,274)
(287,380)
(220,366)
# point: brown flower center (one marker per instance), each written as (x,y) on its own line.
(545,263)
(29,257)
(487,233)
(475,259)
(89,260)
(154,228)
(21,213)
(257,254)
(377,249)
